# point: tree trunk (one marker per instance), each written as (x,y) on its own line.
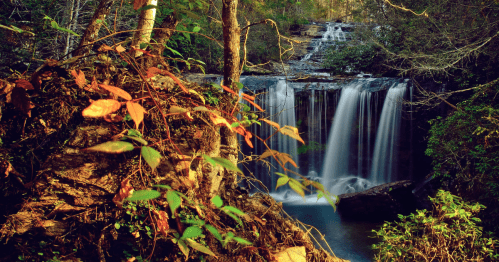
(92,31)
(231,35)
(145,26)
(160,38)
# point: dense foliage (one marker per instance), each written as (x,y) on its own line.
(464,148)
(448,233)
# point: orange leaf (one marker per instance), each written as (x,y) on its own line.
(219,121)
(272,123)
(255,105)
(104,47)
(117,91)
(283,157)
(101,108)
(24,84)
(229,90)
(136,111)
(120,49)
(247,135)
(162,222)
(79,78)
(248,97)
(125,191)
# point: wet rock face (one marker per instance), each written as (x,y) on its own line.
(383,202)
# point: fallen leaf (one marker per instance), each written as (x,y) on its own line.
(113,118)
(126,190)
(79,78)
(21,100)
(24,84)
(101,108)
(116,90)
(93,86)
(104,48)
(162,222)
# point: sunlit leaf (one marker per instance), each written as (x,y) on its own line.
(112,147)
(136,111)
(242,241)
(229,90)
(234,210)
(292,132)
(282,181)
(174,201)
(191,232)
(101,108)
(196,93)
(117,91)
(272,123)
(296,186)
(201,108)
(219,121)
(222,162)
(183,247)
(79,78)
(199,247)
(242,131)
(143,195)
(217,201)
(120,49)
(177,110)
(151,156)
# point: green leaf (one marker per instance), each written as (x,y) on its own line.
(143,195)
(282,181)
(296,186)
(163,186)
(239,85)
(223,162)
(117,225)
(191,232)
(175,52)
(173,201)
(137,139)
(151,156)
(234,217)
(234,210)
(183,247)
(242,241)
(217,201)
(134,132)
(196,29)
(235,124)
(217,86)
(199,247)
(114,147)
(214,231)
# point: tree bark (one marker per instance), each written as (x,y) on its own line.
(159,40)
(232,39)
(92,31)
(145,26)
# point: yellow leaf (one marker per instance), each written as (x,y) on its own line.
(118,91)
(272,123)
(120,49)
(101,108)
(282,157)
(292,132)
(219,121)
(136,111)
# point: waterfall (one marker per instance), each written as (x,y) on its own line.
(385,150)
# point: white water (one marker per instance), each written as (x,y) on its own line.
(385,150)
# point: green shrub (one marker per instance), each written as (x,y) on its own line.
(448,233)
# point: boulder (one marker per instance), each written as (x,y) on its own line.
(383,202)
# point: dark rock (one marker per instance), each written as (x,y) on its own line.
(383,202)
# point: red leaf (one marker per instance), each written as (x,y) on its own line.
(247,135)
(255,105)
(24,84)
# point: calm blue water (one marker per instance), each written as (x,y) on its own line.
(348,239)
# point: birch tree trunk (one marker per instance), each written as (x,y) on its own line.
(92,31)
(145,26)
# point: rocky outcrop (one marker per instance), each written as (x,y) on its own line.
(383,202)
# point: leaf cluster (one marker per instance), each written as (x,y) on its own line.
(449,232)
